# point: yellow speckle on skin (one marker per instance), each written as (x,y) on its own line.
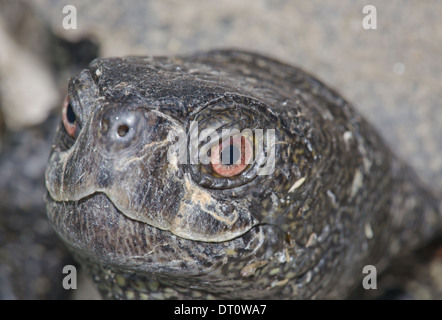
(122,165)
(311,240)
(144,296)
(121,85)
(250,269)
(195,194)
(297,184)
(130,295)
(287,255)
(195,198)
(368,230)
(204,199)
(274,272)
(280,283)
(332,197)
(348,135)
(230,252)
(274,198)
(357,183)
(120,280)
(153,286)
(139,286)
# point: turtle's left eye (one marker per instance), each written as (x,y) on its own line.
(69,118)
(231,142)
(231,157)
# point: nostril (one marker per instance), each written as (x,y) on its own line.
(122,130)
(117,127)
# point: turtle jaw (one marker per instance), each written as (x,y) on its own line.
(95,230)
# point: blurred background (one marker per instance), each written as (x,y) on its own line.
(392,75)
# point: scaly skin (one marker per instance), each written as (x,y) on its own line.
(150,227)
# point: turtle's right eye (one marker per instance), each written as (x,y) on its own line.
(69,118)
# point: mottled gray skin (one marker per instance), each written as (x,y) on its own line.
(149,227)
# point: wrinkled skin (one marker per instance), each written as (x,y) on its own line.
(149,226)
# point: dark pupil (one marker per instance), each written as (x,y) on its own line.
(230,155)
(70,115)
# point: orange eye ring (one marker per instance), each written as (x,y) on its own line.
(68,117)
(229,170)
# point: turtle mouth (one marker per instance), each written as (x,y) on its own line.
(193,214)
(94,228)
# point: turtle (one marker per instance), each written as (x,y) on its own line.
(141,192)
(393,86)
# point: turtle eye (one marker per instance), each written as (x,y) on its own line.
(231,157)
(69,118)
